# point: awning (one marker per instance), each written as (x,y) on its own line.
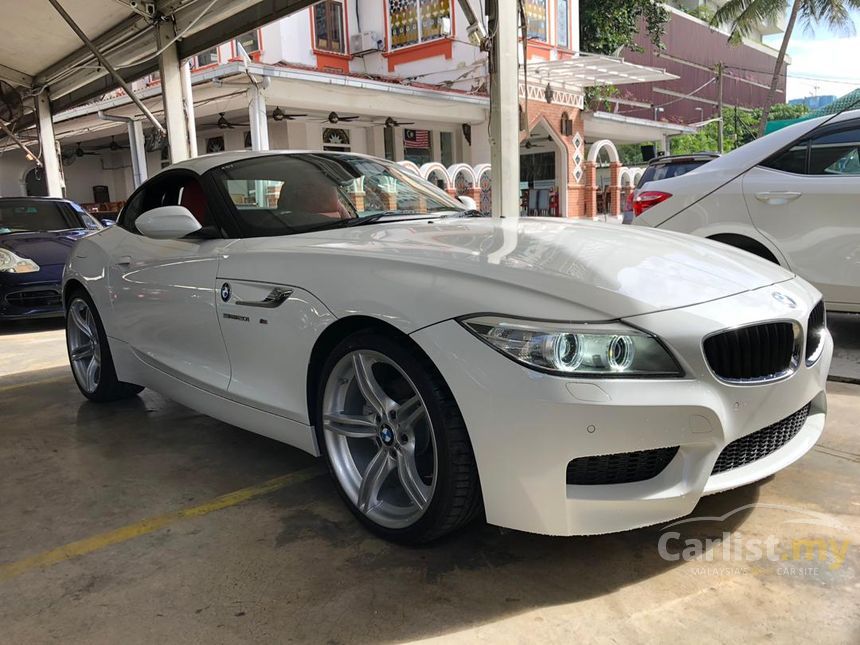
(593,70)
(622,129)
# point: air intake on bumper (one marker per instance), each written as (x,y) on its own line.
(619,468)
(761,443)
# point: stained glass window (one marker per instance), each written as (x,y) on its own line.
(417,21)
(562,20)
(537,19)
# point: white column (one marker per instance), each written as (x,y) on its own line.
(171,95)
(138,152)
(504,113)
(50,159)
(188,101)
(258,119)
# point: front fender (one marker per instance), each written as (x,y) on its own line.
(89,266)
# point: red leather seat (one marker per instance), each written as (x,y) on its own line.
(194,199)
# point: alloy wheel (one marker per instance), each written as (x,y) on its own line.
(379,437)
(84,348)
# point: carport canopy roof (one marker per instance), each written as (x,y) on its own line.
(39,50)
(594,70)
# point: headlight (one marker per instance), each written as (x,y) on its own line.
(11,263)
(594,350)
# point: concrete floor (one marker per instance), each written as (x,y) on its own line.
(94,546)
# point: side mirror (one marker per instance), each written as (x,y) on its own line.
(107,222)
(167,223)
(468,202)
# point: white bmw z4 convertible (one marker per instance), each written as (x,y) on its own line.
(561,377)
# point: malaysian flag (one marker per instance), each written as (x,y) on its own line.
(416,139)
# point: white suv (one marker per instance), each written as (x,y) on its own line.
(792,197)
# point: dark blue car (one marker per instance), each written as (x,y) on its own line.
(36,236)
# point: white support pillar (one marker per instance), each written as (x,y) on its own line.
(50,158)
(504,111)
(258,119)
(188,101)
(138,152)
(171,94)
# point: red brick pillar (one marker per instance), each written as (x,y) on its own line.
(357,199)
(390,200)
(590,189)
(615,188)
(475,193)
(451,191)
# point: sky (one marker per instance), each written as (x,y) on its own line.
(830,59)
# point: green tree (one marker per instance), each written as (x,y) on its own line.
(608,25)
(739,128)
(745,16)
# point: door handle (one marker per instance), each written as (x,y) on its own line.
(276,298)
(123,261)
(778,197)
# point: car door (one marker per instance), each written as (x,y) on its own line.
(164,291)
(805,200)
(268,321)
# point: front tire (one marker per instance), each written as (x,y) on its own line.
(89,353)
(395,441)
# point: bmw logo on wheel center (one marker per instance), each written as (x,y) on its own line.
(225,291)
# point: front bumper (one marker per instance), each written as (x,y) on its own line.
(28,301)
(526,426)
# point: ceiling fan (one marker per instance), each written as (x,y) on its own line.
(334,117)
(391,122)
(279,115)
(223,123)
(80,152)
(112,146)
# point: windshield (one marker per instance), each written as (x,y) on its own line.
(22,215)
(296,193)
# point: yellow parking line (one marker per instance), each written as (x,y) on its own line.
(98,542)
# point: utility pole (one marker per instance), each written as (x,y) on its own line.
(504,109)
(720,107)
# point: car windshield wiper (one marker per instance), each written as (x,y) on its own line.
(393,215)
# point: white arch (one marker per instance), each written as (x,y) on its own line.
(411,167)
(597,146)
(637,174)
(626,173)
(480,169)
(434,166)
(457,168)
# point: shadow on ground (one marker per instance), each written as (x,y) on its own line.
(845,329)
(96,467)
(14,327)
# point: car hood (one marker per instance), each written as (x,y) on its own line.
(45,248)
(540,268)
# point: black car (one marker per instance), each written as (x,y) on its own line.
(36,236)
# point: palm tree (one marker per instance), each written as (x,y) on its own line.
(745,16)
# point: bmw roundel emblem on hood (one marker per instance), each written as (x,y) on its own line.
(784,299)
(225,291)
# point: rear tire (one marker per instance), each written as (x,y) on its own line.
(395,441)
(89,352)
